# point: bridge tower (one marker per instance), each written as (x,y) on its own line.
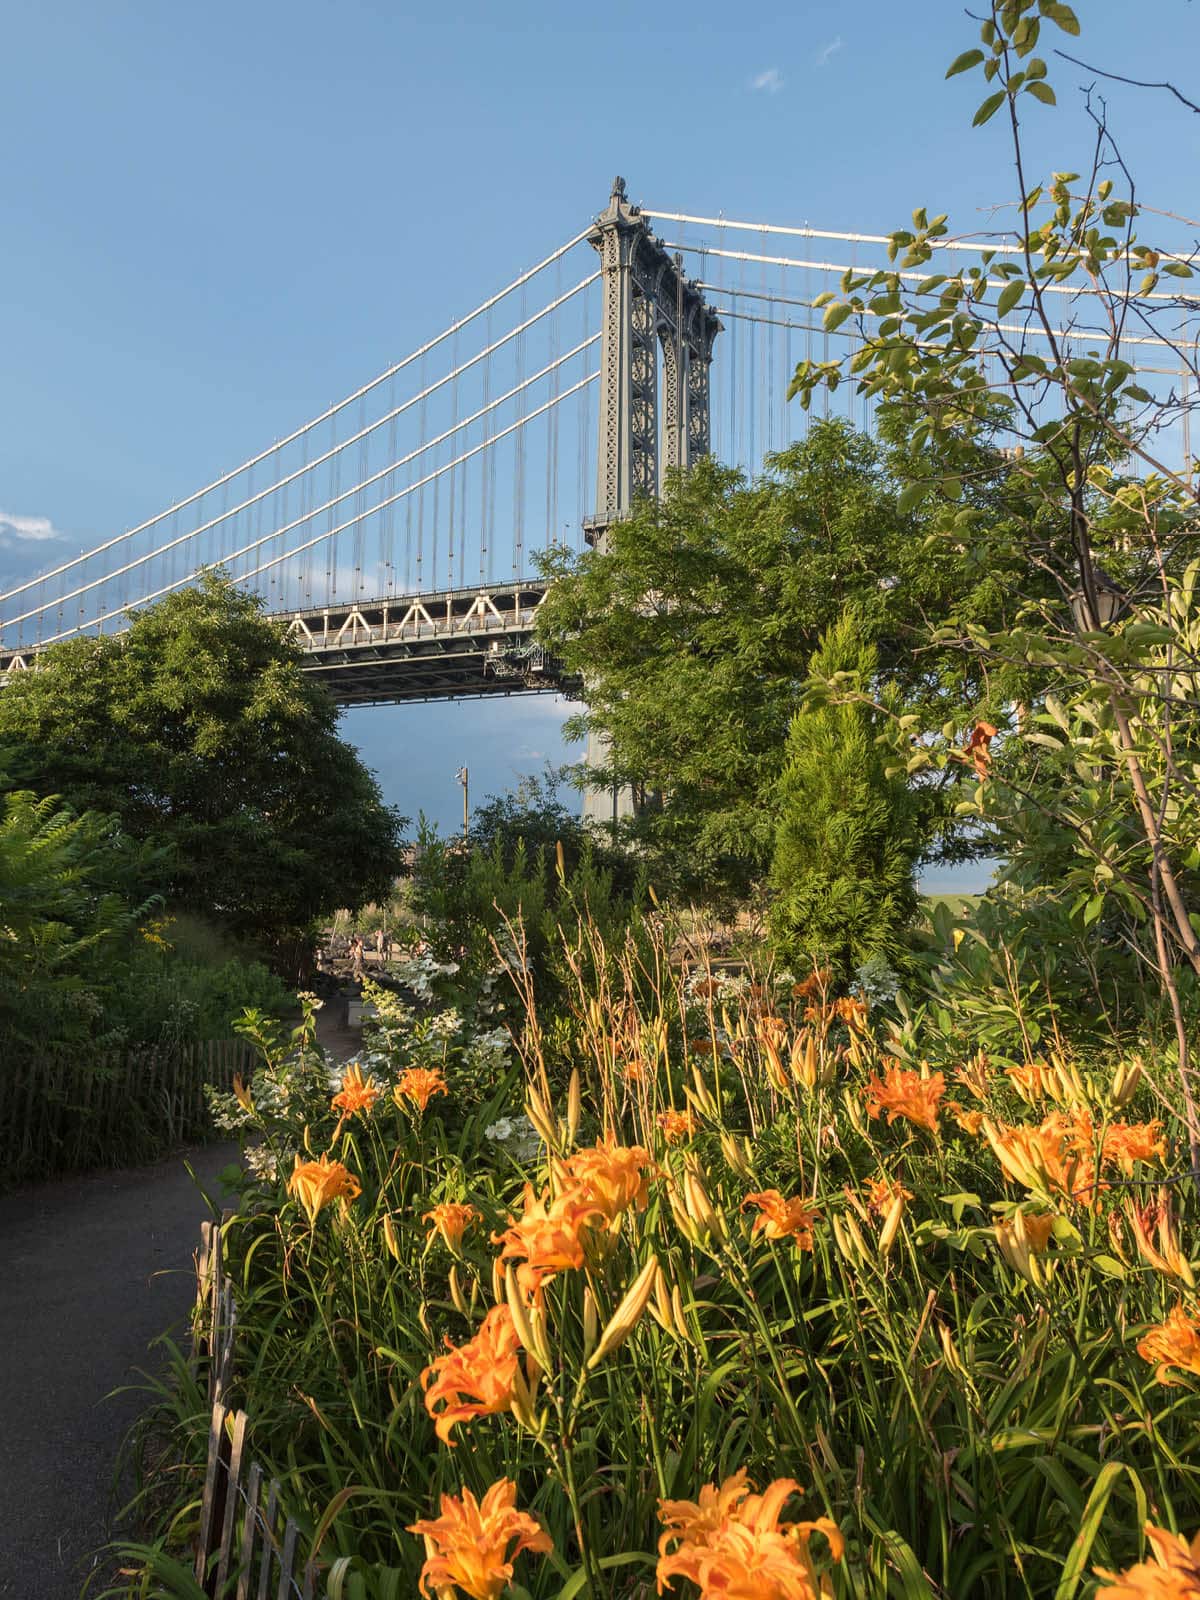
(650,307)
(651,311)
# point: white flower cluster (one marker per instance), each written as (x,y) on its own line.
(489,1003)
(510,957)
(446,1024)
(517,1135)
(225,1111)
(261,1162)
(488,1054)
(419,973)
(729,985)
(295,1086)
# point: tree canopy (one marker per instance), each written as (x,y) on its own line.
(847,832)
(693,629)
(197,730)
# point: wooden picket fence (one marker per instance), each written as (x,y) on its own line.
(244,1537)
(65,1111)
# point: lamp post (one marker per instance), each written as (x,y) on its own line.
(1109,602)
(463,777)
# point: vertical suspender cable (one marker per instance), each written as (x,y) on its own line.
(485,501)
(765,441)
(436,517)
(279,574)
(306,502)
(422,435)
(389,526)
(360,502)
(551,516)
(335,480)
(451,497)
(518,527)
(463,476)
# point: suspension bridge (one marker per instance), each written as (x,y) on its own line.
(395,536)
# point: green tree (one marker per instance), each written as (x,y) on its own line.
(692,631)
(1038,345)
(847,830)
(197,729)
(61,921)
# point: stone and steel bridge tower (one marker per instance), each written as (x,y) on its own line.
(650,307)
(651,312)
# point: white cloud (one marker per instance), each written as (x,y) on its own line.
(768,82)
(37,530)
(831,49)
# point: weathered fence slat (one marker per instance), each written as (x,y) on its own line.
(249,1532)
(287,1561)
(270,1542)
(201,1317)
(256,1552)
(234,1471)
(224,1333)
(218,1456)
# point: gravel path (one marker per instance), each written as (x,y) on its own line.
(92,1269)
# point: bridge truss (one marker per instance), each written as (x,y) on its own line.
(465,643)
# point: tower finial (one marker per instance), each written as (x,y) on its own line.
(618,189)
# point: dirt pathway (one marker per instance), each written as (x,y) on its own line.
(91,1270)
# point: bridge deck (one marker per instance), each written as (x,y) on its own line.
(456,644)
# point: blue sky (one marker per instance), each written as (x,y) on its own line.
(218,219)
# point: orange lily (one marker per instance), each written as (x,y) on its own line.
(317,1184)
(1165,1257)
(473,1544)
(548,1239)
(451,1218)
(904,1093)
(677,1125)
(783,1219)
(419,1084)
(356,1094)
(1174,1574)
(611,1177)
(731,1544)
(483,1371)
(1174,1343)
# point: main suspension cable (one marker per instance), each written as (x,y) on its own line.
(324,416)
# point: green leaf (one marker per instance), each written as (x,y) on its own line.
(835,316)
(1109,1266)
(1065,18)
(988,109)
(1010,295)
(1089,1526)
(579,1579)
(964,62)
(1041,91)
(911,496)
